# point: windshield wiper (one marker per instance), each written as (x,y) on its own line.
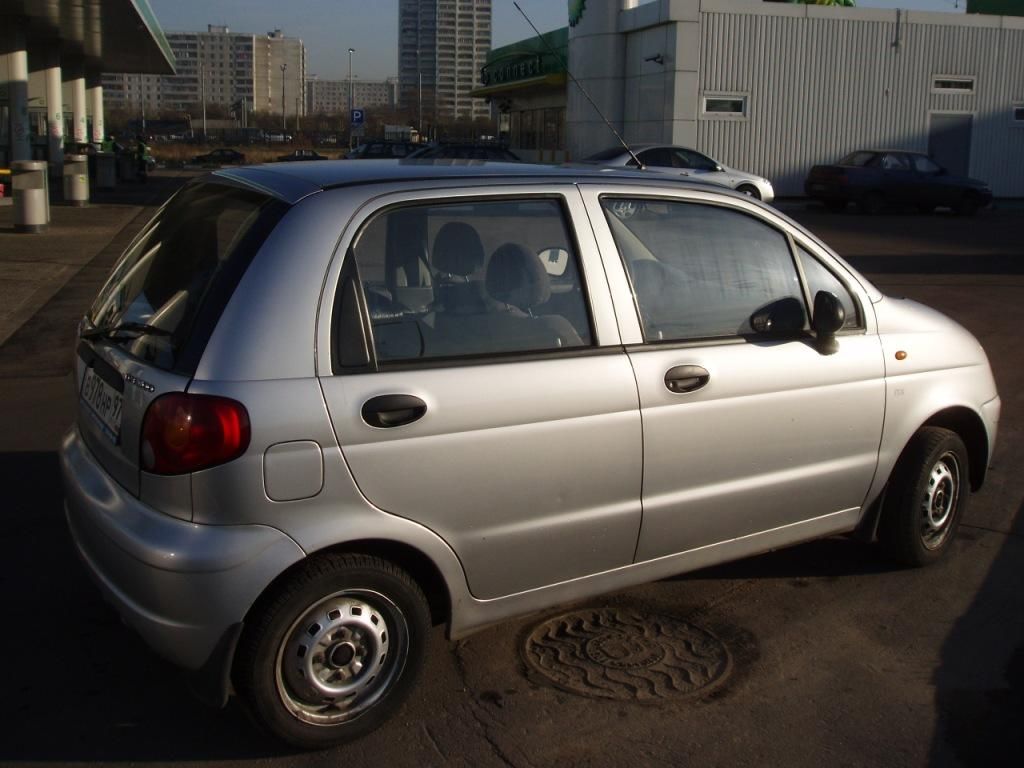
(139,329)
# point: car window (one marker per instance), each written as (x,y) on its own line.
(686,158)
(891,161)
(660,157)
(701,271)
(469,279)
(819,278)
(923,164)
(180,273)
(859,159)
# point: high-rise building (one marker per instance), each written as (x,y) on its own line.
(271,52)
(232,68)
(330,97)
(442,46)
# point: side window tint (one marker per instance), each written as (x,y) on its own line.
(820,279)
(474,278)
(701,271)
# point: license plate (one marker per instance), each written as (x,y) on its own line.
(104,404)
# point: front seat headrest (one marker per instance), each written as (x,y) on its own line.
(516,276)
(457,249)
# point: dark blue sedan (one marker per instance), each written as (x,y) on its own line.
(876,178)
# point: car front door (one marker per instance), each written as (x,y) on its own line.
(478,387)
(745,430)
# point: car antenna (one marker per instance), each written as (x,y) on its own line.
(577,83)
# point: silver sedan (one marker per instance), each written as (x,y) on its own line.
(682,161)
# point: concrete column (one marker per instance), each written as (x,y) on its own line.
(597,60)
(17,89)
(54,112)
(94,95)
(78,114)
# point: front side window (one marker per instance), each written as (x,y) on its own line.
(923,164)
(466,279)
(701,271)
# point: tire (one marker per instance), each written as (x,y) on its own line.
(967,206)
(926,499)
(749,190)
(331,653)
(835,206)
(872,203)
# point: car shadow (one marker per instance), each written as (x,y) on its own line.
(79,685)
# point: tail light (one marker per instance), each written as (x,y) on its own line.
(184,433)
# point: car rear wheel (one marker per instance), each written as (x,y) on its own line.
(331,653)
(749,190)
(926,498)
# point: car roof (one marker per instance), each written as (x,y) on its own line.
(293,181)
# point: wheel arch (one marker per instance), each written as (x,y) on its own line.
(971,429)
(423,570)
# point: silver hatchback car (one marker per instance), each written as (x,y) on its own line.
(324,406)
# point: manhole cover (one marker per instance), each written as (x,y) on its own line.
(616,654)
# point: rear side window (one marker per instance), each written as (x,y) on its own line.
(180,273)
(468,279)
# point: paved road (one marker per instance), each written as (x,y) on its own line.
(835,658)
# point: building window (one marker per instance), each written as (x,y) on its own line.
(952,84)
(724,106)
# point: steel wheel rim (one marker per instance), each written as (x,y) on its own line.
(941,498)
(340,656)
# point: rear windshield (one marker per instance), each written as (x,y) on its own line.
(181,271)
(857,159)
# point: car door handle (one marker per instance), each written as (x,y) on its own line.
(393,410)
(686,378)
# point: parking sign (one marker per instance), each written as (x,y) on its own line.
(357,117)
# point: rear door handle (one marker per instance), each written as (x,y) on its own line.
(386,411)
(686,378)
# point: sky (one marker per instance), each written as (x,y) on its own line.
(330,27)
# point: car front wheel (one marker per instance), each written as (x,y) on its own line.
(331,653)
(926,499)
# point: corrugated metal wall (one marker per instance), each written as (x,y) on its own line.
(821,87)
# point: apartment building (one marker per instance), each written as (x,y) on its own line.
(330,97)
(442,46)
(231,67)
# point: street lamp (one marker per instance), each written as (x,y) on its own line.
(351,101)
(284,118)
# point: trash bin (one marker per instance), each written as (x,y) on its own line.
(31,196)
(76,179)
(106,170)
(125,167)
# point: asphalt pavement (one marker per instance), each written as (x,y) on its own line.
(821,654)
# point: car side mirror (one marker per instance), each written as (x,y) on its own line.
(829,315)
(780,318)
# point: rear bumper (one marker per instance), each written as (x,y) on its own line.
(181,586)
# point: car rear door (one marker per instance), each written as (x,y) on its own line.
(743,432)
(475,379)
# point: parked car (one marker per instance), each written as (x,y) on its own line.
(301,154)
(876,178)
(382,150)
(321,408)
(688,163)
(277,137)
(470,151)
(221,156)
